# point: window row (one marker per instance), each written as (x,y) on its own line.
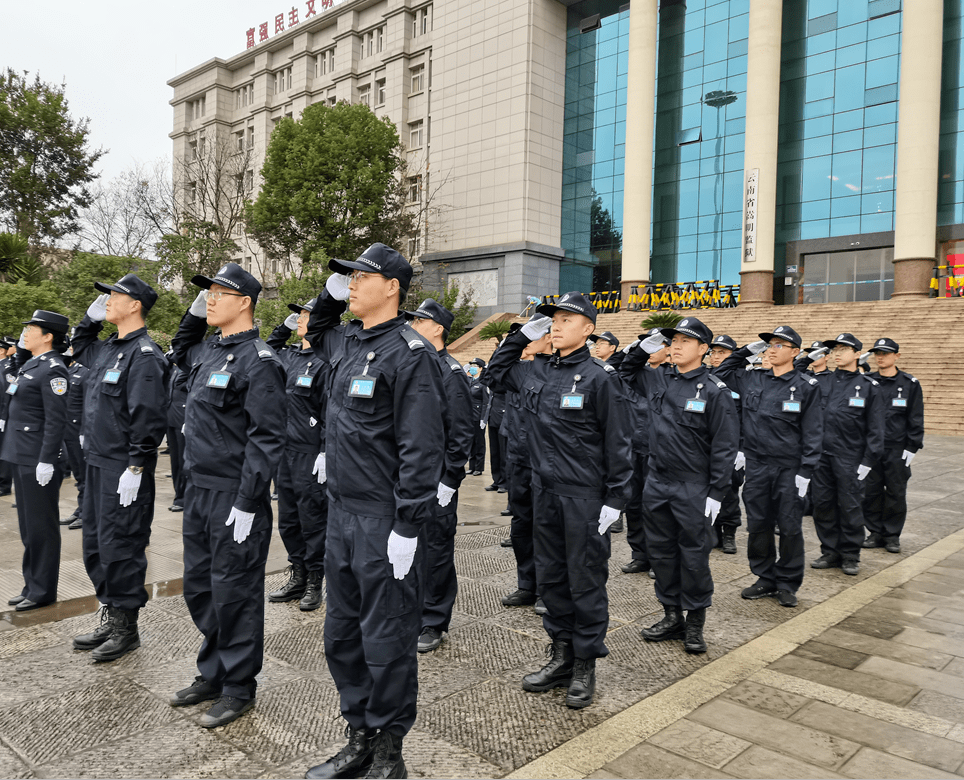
(196,108)
(417,83)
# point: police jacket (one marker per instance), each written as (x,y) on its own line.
(36,410)
(460,423)
(781,415)
(853,422)
(385,448)
(9,375)
(578,447)
(515,422)
(235,416)
(903,402)
(75,398)
(481,398)
(125,396)
(177,390)
(496,411)
(305,393)
(686,444)
(640,404)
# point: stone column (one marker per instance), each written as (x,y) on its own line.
(918,135)
(638,177)
(762,131)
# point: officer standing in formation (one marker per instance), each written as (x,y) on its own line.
(497,443)
(730,517)
(74,440)
(8,348)
(177,403)
(385,455)
(302,503)
(234,438)
(481,398)
(125,418)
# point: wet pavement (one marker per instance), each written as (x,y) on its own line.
(864,678)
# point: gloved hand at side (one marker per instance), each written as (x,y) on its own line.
(401,554)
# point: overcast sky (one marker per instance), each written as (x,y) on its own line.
(116,58)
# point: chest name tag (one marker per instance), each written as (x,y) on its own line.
(12,388)
(695,406)
(899,403)
(734,395)
(362,386)
(219,379)
(857,402)
(791,406)
(111,376)
(571,401)
(304,380)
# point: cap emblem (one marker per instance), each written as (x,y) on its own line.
(684,323)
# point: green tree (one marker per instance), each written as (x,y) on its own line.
(199,248)
(330,182)
(18,301)
(45,163)
(457,302)
(14,253)
(270,313)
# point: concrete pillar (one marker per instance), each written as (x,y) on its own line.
(918,135)
(638,178)
(760,157)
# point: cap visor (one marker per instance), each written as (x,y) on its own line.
(882,349)
(767,336)
(347,266)
(202,281)
(107,288)
(297,308)
(546,308)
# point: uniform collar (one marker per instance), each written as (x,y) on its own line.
(356,329)
(576,356)
(694,374)
(238,338)
(132,335)
(846,374)
(785,377)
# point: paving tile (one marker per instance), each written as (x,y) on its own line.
(648,761)
(931,640)
(881,629)
(846,679)
(801,741)
(950,614)
(955,666)
(699,743)
(772,701)
(873,612)
(933,585)
(884,648)
(873,763)
(763,762)
(896,740)
(918,607)
(830,654)
(913,675)
(939,705)
(11,766)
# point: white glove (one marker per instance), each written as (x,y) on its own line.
(127,487)
(653,344)
(712,509)
(337,286)
(243,525)
(863,471)
(802,485)
(3,425)
(740,461)
(200,306)
(537,327)
(291,321)
(401,554)
(629,347)
(21,343)
(183,427)
(97,311)
(908,456)
(81,437)
(45,472)
(757,347)
(818,353)
(444,494)
(482,424)
(607,516)
(864,359)
(320,468)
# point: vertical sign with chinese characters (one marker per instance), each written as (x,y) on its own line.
(750,195)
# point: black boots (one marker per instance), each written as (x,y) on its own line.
(294,588)
(555,674)
(123,635)
(671,626)
(728,542)
(312,598)
(583,685)
(353,760)
(693,643)
(388,761)
(96,638)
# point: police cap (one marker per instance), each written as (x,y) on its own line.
(49,320)
(605,336)
(725,342)
(478,361)
(784,332)
(847,339)
(431,309)
(885,345)
(133,286)
(573,302)
(690,326)
(234,276)
(297,308)
(379,259)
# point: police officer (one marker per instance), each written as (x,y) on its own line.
(34,427)
(234,438)
(74,440)
(782,432)
(497,443)
(693,443)
(125,417)
(853,439)
(177,392)
(581,452)
(481,398)
(8,348)
(433,322)
(605,344)
(302,503)
(385,451)
(885,501)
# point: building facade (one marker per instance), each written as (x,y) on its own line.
(811,149)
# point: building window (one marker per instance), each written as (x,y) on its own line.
(195,109)
(282,80)
(274,267)
(415,134)
(325,62)
(414,247)
(415,189)
(380,92)
(192,193)
(364,94)
(250,138)
(418,79)
(239,140)
(246,265)
(244,96)
(248,180)
(332,100)
(379,39)
(422,21)
(373,42)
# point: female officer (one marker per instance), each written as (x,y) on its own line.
(35,426)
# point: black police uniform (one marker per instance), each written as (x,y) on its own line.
(125,417)
(782,436)
(481,398)
(730,518)
(497,442)
(177,392)
(234,438)
(75,421)
(885,496)
(36,420)
(385,450)
(9,374)
(302,502)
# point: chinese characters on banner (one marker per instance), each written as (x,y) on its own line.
(279,21)
(750,194)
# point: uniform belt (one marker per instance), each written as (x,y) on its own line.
(357,506)
(308,449)
(211,482)
(679,475)
(569,491)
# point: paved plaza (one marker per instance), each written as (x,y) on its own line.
(864,679)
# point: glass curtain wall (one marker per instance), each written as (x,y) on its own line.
(950,193)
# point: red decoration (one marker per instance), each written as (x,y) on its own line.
(263,32)
(292,17)
(251,37)
(279,23)
(311,9)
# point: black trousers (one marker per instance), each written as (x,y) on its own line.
(572,568)
(477,454)
(115,537)
(175,443)
(372,622)
(497,453)
(730,517)
(77,463)
(224,589)
(885,495)
(837,506)
(679,538)
(771,500)
(302,511)
(6,471)
(38,514)
(636,508)
(521,528)
(441,582)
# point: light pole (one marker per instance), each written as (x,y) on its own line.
(717,99)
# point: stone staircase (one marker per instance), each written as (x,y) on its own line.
(928,331)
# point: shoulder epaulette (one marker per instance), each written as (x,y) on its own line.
(718,382)
(874,382)
(413,340)
(811,380)
(146,345)
(605,365)
(913,378)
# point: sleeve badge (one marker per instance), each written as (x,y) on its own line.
(59,386)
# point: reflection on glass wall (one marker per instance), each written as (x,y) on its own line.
(842,277)
(950,192)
